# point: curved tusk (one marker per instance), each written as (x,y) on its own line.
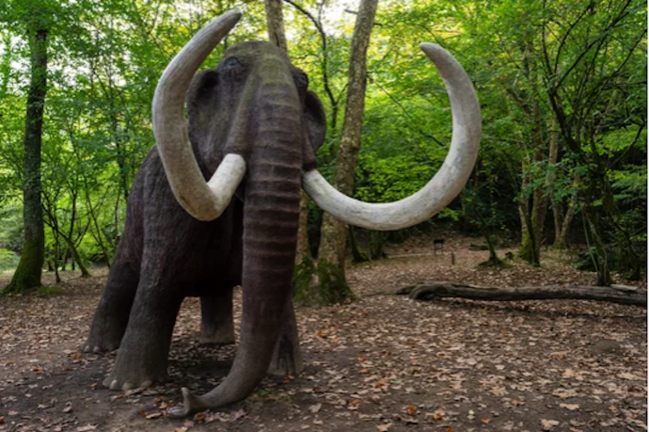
(170,128)
(442,188)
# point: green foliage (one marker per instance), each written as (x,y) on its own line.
(8,260)
(11,228)
(559,69)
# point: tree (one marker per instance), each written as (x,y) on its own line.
(591,57)
(28,274)
(275,23)
(333,232)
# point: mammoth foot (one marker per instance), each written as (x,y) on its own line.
(132,380)
(106,333)
(137,369)
(218,337)
(103,343)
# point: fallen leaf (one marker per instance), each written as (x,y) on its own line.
(315,408)
(353,405)
(565,394)
(568,373)
(548,424)
(411,409)
(236,415)
(384,427)
(571,407)
(87,428)
(630,376)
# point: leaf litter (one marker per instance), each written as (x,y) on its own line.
(381,363)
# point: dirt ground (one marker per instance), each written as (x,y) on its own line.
(380,363)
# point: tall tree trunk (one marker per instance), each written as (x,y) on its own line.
(28,274)
(542,193)
(535,217)
(333,235)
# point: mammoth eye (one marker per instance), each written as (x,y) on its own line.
(302,79)
(232,61)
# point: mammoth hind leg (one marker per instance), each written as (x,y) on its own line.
(217,321)
(217,327)
(111,316)
(287,357)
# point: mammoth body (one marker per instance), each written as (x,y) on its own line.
(254,124)
(254,96)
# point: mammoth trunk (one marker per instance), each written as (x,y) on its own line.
(271,213)
(271,216)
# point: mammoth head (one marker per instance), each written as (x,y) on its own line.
(226,105)
(226,92)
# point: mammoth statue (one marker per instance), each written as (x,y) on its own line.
(252,129)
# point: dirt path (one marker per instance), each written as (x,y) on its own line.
(381,363)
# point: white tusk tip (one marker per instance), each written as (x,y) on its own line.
(235,13)
(431,49)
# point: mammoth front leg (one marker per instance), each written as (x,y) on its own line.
(217,321)
(143,355)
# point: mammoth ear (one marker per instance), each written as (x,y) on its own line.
(316,120)
(201,104)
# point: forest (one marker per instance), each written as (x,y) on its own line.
(562,88)
(519,306)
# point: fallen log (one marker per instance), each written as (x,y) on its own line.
(435,290)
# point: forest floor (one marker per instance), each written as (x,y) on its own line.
(379,363)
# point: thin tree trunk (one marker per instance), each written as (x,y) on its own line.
(542,194)
(324,65)
(303,249)
(570,214)
(28,274)
(551,179)
(76,258)
(333,234)
(358,256)
(55,259)
(95,224)
(556,216)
